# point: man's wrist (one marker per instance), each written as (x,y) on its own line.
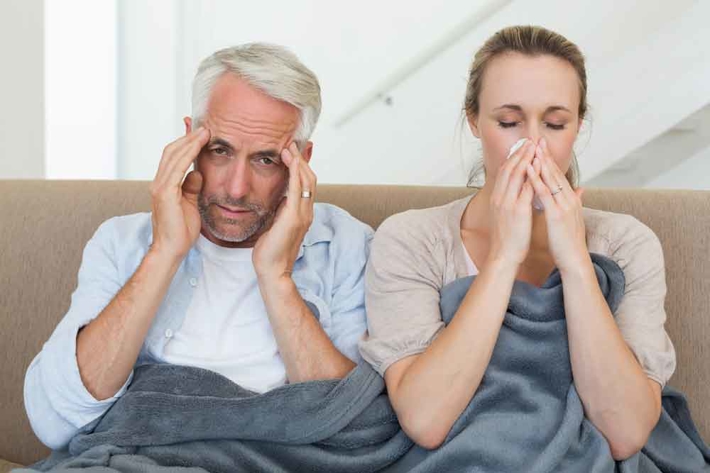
(276,283)
(157,256)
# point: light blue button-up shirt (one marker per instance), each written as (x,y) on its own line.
(329,274)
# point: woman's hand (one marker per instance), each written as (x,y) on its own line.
(511,208)
(563,211)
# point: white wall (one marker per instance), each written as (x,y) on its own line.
(119,85)
(148,112)
(634,49)
(80,89)
(351,46)
(21,89)
(693,173)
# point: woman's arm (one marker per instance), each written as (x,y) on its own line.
(430,391)
(618,397)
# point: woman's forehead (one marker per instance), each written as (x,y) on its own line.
(531,82)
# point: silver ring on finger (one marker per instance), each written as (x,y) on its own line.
(557,191)
(306,194)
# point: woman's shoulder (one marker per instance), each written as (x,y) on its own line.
(624,235)
(423,226)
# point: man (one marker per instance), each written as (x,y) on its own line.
(235,270)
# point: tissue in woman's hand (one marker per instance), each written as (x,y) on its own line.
(518,144)
(537,204)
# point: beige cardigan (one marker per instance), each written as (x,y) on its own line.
(415,253)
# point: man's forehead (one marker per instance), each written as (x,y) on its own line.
(234,98)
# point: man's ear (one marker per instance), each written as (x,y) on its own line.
(188,125)
(307,151)
(473,124)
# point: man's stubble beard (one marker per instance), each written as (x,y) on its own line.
(264,218)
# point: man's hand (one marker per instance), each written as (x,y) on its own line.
(276,250)
(176,218)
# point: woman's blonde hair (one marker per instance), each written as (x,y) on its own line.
(530,41)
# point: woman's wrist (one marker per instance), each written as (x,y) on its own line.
(501,267)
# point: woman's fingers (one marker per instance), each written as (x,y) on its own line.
(541,190)
(512,174)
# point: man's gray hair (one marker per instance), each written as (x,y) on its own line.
(273,69)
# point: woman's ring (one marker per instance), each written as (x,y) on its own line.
(557,191)
(306,194)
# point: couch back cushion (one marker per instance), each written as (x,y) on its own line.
(45,224)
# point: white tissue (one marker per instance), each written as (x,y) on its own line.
(518,144)
(537,204)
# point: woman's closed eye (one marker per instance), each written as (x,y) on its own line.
(555,126)
(552,126)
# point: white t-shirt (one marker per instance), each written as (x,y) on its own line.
(226,328)
(471,268)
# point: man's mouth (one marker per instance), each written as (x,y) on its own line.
(233,213)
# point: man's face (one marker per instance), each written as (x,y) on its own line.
(244,179)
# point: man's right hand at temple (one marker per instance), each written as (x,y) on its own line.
(175,215)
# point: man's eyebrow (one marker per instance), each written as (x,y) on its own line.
(267,153)
(221,142)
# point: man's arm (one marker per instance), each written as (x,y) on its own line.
(307,351)
(88,361)
(305,348)
(107,349)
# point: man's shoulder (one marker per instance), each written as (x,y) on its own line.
(332,223)
(128,229)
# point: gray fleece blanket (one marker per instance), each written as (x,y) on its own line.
(525,416)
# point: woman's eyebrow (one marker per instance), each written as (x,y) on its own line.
(518,108)
(509,106)
(555,108)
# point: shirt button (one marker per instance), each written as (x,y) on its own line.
(168,333)
(193,282)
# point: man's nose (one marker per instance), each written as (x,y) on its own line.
(239,179)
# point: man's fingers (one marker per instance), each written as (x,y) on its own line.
(192,185)
(306,175)
(169,153)
(180,163)
(294,178)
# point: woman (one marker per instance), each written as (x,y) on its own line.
(525,82)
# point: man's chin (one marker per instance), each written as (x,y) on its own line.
(233,233)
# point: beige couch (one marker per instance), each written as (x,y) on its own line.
(45,224)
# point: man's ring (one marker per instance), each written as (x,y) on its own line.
(556,191)
(306,194)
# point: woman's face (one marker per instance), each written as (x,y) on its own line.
(527,97)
